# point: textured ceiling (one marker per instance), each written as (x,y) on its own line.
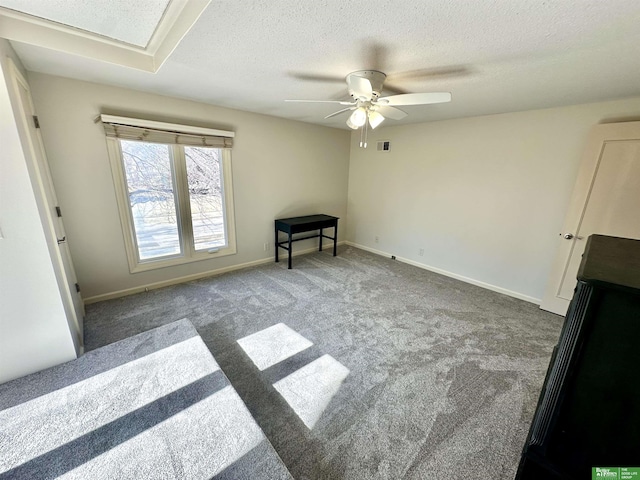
(127,21)
(510,55)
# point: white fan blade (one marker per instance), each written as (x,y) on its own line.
(323,101)
(415,99)
(317,77)
(339,112)
(361,87)
(391,112)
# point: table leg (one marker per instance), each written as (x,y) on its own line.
(289,251)
(320,248)
(335,238)
(275,244)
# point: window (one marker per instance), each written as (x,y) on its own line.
(174,192)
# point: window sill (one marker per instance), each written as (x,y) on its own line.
(174,261)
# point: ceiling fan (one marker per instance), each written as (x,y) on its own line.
(369,108)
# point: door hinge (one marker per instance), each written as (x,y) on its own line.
(36,122)
(58,211)
(77,288)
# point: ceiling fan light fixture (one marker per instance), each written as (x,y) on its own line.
(358,118)
(375,118)
(351,125)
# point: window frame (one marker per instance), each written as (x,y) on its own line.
(183,206)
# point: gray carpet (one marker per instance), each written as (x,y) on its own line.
(409,374)
(152,406)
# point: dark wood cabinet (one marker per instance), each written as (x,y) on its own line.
(588,414)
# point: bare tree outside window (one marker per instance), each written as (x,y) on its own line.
(147,169)
(204,177)
(154,204)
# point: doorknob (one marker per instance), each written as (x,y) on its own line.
(569,236)
(62,240)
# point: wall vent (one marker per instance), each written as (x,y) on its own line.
(384,145)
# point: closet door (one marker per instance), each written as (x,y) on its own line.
(50,212)
(605,201)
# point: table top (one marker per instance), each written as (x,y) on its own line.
(611,261)
(306,219)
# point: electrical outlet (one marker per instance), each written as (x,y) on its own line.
(266,246)
(377,239)
(421,252)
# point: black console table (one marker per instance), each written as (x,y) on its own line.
(308,223)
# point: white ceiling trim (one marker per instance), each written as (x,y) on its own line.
(177,20)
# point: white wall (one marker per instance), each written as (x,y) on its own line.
(34,333)
(280,168)
(485,197)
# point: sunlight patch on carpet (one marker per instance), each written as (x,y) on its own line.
(65,414)
(273,345)
(175,445)
(310,389)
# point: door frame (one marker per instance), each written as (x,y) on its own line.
(41,180)
(598,137)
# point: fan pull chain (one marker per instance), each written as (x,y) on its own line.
(363,134)
(366,130)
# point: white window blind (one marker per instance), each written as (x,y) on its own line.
(167,133)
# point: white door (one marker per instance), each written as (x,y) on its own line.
(50,212)
(606,200)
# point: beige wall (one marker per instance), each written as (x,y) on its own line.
(34,333)
(280,168)
(485,197)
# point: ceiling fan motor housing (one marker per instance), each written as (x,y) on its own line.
(375,77)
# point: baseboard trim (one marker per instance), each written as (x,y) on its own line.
(196,276)
(446,273)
